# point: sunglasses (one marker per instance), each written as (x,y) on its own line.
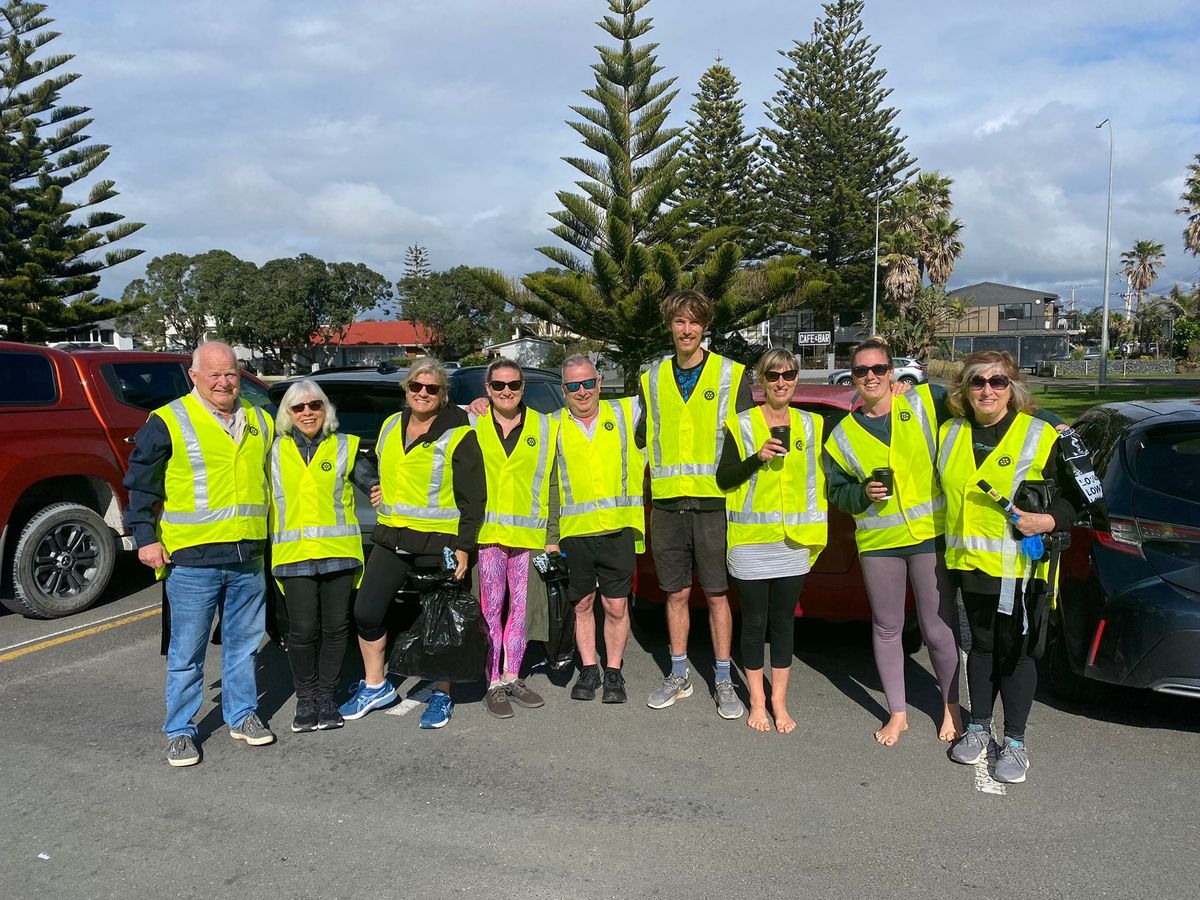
(573,386)
(314,405)
(498,386)
(996,382)
(417,387)
(773,376)
(879,370)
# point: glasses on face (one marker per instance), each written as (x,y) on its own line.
(498,386)
(878,370)
(773,376)
(417,387)
(573,386)
(995,382)
(314,405)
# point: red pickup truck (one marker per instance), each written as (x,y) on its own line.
(67,421)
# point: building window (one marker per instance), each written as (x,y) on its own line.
(1011,311)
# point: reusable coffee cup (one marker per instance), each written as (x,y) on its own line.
(886,477)
(783,434)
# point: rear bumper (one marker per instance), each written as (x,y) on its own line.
(1151,639)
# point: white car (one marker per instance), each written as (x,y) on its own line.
(905,368)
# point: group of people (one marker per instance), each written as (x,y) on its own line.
(739,493)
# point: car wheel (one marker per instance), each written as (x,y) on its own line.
(845,381)
(63,561)
(908,379)
(1062,679)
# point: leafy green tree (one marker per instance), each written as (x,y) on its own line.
(717,189)
(831,149)
(1191,207)
(185,299)
(51,246)
(460,312)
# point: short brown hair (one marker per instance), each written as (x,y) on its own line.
(958,400)
(874,342)
(690,303)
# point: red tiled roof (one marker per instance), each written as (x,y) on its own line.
(383,334)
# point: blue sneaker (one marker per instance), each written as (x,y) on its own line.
(437,713)
(366,699)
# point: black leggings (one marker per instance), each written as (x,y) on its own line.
(318,608)
(386,573)
(773,600)
(1002,661)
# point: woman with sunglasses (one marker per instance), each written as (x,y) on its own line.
(776,515)
(1006,594)
(430,492)
(899,527)
(518,458)
(316,546)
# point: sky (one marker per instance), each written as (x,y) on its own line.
(353,130)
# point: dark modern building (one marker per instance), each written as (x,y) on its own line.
(1024,322)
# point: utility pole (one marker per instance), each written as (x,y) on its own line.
(1107,248)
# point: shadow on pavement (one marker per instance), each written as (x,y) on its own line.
(1128,706)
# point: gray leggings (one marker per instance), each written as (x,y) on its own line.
(934,591)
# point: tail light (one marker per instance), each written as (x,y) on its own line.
(1127,535)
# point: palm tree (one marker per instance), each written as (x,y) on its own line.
(1140,265)
(941,247)
(933,192)
(1191,208)
(902,278)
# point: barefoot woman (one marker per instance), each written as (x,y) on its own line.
(776,513)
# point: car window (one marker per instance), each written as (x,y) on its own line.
(256,395)
(544,396)
(146,383)
(28,378)
(1167,460)
(466,386)
(362,408)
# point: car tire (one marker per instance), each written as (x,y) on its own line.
(1064,682)
(908,379)
(845,381)
(62,563)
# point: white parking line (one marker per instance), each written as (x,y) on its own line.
(74,628)
(415,698)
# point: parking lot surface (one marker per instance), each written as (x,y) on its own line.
(574,800)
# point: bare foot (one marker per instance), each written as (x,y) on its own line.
(758,719)
(951,729)
(784,723)
(890,733)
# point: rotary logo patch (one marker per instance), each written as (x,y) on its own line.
(1004,461)
(905,416)
(609,426)
(799,443)
(252,429)
(710,395)
(327,466)
(531,441)
(426,444)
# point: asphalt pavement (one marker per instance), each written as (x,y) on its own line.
(574,800)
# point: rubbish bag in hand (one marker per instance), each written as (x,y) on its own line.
(449,639)
(560,648)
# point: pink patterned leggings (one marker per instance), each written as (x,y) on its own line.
(504,570)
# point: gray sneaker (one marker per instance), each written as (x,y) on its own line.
(972,746)
(1013,762)
(728,704)
(253,732)
(674,687)
(181,751)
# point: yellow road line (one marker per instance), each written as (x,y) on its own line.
(76,635)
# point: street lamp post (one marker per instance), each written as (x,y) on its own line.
(1107,249)
(875,271)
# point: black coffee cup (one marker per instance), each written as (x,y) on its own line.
(783,434)
(887,478)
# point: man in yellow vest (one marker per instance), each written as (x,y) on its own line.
(198,512)
(687,398)
(601,521)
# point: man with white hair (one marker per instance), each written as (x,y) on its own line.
(198,514)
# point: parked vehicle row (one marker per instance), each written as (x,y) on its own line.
(907,369)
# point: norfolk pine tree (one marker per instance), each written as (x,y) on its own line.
(50,248)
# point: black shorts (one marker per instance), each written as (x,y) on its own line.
(607,560)
(679,537)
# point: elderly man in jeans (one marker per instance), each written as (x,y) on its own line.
(198,513)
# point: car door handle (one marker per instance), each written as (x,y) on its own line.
(130,440)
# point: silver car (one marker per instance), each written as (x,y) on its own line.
(905,368)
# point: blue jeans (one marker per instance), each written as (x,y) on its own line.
(239,590)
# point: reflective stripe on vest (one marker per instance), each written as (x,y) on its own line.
(785,497)
(201,507)
(600,480)
(518,489)
(418,489)
(684,441)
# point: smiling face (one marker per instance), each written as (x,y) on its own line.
(583,401)
(215,375)
(423,394)
(870,385)
(309,421)
(686,334)
(506,400)
(989,401)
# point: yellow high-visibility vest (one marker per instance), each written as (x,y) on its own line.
(600,481)
(684,440)
(216,490)
(916,511)
(518,486)
(785,497)
(979,533)
(418,484)
(312,506)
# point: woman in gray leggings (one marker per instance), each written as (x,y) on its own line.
(900,526)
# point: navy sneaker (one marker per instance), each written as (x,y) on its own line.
(366,699)
(437,713)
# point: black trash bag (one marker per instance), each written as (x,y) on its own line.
(560,648)
(449,639)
